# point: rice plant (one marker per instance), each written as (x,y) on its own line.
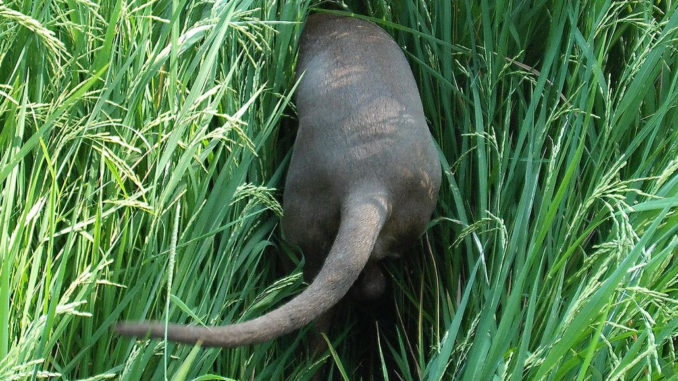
(144,146)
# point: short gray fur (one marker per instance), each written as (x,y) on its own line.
(362,183)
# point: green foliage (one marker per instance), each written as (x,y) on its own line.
(144,143)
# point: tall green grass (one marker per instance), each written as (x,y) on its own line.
(144,145)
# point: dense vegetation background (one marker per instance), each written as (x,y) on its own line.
(143,150)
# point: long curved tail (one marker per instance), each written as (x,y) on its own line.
(362,218)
